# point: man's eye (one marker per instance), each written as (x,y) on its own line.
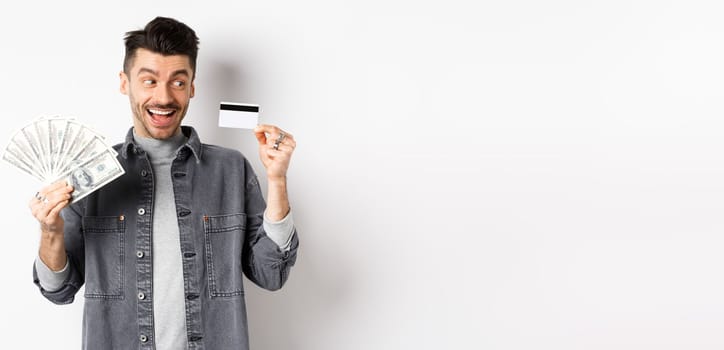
(179,83)
(148,82)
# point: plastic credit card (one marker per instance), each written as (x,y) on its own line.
(238,115)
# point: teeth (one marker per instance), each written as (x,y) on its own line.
(155,111)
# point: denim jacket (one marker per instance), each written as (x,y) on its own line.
(220,209)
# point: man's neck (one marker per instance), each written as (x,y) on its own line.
(160,148)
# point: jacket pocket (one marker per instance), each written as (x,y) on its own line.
(224,239)
(104,256)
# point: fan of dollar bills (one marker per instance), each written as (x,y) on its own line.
(55,148)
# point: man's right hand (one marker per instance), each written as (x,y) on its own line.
(46,206)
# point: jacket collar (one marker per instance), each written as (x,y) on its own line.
(193,144)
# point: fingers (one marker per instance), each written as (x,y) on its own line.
(281,150)
(275,133)
(272,138)
(50,188)
(36,203)
(282,145)
(275,149)
(55,212)
(58,196)
(260,136)
(55,193)
(267,128)
(47,203)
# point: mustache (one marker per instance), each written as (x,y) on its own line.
(166,106)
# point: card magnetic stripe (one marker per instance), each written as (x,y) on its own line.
(239,108)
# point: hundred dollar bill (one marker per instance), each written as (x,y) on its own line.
(57,127)
(20,148)
(94,174)
(15,156)
(55,147)
(90,133)
(27,140)
(21,165)
(67,146)
(95,147)
(42,135)
(80,140)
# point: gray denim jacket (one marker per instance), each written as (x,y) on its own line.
(220,209)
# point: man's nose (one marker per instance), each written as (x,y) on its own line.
(162,95)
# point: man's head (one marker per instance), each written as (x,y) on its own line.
(165,36)
(158,74)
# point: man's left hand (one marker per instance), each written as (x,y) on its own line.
(275,150)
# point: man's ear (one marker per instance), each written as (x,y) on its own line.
(124,82)
(193,89)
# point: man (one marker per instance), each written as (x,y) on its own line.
(162,249)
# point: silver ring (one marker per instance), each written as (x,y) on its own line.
(279,140)
(37,196)
(281,137)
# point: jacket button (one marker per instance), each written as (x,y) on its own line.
(141,296)
(139,254)
(143,338)
(144,172)
(141,211)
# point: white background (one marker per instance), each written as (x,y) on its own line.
(499,175)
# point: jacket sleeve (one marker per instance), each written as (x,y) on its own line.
(74,247)
(263,262)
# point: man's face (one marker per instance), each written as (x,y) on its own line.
(159,89)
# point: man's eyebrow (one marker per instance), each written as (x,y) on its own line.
(147,70)
(182,71)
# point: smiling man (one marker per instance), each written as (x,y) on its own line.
(162,250)
(159,98)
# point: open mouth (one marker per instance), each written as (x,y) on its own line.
(161,117)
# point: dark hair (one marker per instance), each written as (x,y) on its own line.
(165,36)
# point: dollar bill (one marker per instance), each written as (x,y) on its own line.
(71,132)
(57,128)
(56,147)
(14,155)
(89,151)
(21,165)
(93,174)
(27,140)
(42,136)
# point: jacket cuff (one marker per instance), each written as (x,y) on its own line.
(51,280)
(281,231)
